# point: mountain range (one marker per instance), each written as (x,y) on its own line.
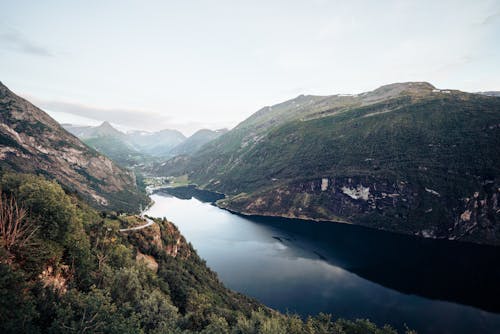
(135,147)
(406,157)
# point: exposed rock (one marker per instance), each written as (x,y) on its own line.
(324,184)
(148,260)
(162,236)
(32,142)
(375,203)
(359,192)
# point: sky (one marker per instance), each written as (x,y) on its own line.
(187,64)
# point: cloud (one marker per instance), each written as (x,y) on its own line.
(13,40)
(118,115)
(128,118)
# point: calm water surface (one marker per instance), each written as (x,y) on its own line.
(348,271)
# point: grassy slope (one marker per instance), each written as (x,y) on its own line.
(445,142)
(448,136)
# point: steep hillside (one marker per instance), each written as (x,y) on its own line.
(31,141)
(109,141)
(117,149)
(192,144)
(67,268)
(405,157)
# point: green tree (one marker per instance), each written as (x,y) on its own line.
(49,206)
(157,314)
(92,312)
(17,310)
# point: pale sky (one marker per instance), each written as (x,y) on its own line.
(192,64)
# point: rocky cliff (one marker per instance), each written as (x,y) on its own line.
(32,142)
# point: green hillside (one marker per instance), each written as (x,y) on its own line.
(117,150)
(405,157)
(193,143)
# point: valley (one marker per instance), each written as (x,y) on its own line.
(253,167)
(273,191)
(140,149)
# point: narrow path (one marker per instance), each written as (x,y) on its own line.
(149,222)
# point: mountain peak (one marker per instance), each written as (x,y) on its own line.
(409,85)
(396,89)
(106,124)
(107,130)
(399,87)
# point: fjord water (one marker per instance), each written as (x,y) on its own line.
(433,286)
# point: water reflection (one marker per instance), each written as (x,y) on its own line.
(345,270)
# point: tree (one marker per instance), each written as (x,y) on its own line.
(157,315)
(15,230)
(17,310)
(49,206)
(90,313)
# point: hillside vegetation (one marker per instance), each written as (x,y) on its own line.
(196,141)
(66,268)
(405,157)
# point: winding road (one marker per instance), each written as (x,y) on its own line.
(149,222)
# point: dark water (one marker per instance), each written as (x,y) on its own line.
(348,271)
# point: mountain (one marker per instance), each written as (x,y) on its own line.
(127,148)
(406,157)
(117,149)
(491,93)
(196,141)
(109,141)
(32,142)
(103,130)
(79,131)
(157,143)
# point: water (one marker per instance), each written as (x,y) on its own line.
(348,271)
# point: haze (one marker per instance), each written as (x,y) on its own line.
(188,65)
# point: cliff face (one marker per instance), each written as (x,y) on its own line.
(161,236)
(32,142)
(393,206)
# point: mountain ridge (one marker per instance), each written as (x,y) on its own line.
(407,157)
(196,141)
(130,148)
(33,142)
